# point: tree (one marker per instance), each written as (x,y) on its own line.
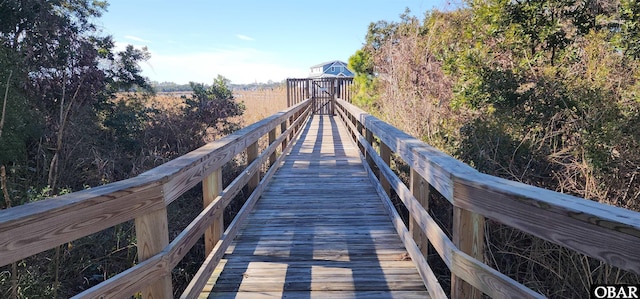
(540,91)
(362,64)
(212,108)
(630,16)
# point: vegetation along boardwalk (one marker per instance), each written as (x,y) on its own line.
(319,230)
(319,222)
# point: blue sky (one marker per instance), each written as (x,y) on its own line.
(246,41)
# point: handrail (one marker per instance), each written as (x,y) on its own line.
(604,232)
(35,227)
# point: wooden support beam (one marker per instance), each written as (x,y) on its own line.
(468,236)
(288,92)
(369,137)
(420,190)
(283,128)
(211,188)
(333,97)
(385,154)
(252,154)
(152,235)
(314,100)
(360,131)
(272,138)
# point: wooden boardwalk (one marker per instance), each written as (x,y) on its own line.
(318,231)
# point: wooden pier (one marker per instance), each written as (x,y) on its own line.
(319,231)
(318,222)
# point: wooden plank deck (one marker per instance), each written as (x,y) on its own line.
(319,231)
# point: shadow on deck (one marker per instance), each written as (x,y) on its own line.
(318,231)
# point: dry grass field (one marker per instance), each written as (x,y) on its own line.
(259,103)
(262,103)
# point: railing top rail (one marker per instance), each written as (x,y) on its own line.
(38,226)
(602,231)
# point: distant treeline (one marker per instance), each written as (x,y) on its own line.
(175,87)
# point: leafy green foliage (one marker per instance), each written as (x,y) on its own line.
(69,124)
(125,71)
(630,31)
(18,126)
(212,107)
(364,79)
(544,92)
(126,120)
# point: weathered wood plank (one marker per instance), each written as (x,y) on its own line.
(323,295)
(252,154)
(152,236)
(130,281)
(35,227)
(605,232)
(276,285)
(272,139)
(420,190)
(341,258)
(308,264)
(211,188)
(468,237)
(267,270)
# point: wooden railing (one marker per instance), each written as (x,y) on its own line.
(35,227)
(603,232)
(607,233)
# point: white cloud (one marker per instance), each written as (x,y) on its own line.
(137,39)
(240,65)
(244,37)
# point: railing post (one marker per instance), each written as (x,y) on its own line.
(211,188)
(369,137)
(283,128)
(306,89)
(468,236)
(252,154)
(420,190)
(293,118)
(272,139)
(314,104)
(360,129)
(385,154)
(288,92)
(294,92)
(333,97)
(299,125)
(152,235)
(290,123)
